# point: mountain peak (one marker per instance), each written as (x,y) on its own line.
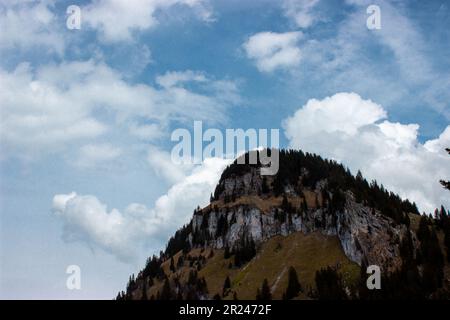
(309,196)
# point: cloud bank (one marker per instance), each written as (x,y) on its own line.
(44,109)
(117,20)
(354,131)
(30,24)
(125,233)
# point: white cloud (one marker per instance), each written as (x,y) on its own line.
(147,132)
(442,142)
(176,206)
(27,24)
(39,114)
(40,25)
(171,79)
(124,234)
(329,112)
(406,68)
(272,50)
(402,37)
(97,155)
(162,164)
(405,40)
(86,219)
(301,12)
(116,20)
(347,128)
(46,108)
(398,66)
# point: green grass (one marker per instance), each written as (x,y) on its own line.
(306,253)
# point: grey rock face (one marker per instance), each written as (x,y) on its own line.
(248,184)
(363,233)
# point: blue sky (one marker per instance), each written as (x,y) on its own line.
(86,116)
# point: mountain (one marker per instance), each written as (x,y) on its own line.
(308,232)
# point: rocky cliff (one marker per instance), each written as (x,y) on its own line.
(365,234)
(313,215)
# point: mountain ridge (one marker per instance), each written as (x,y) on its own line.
(309,195)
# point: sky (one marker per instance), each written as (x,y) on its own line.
(86,176)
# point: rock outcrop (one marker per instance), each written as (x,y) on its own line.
(252,218)
(366,235)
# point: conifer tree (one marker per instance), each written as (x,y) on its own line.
(304,205)
(264,186)
(329,285)
(264,293)
(226,253)
(192,279)
(144,291)
(445,223)
(294,286)
(446,184)
(285,205)
(226,286)
(166,293)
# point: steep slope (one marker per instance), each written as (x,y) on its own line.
(312,216)
(306,253)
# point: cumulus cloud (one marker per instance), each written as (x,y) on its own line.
(354,131)
(46,108)
(38,113)
(272,50)
(124,234)
(163,166)
(26,24)
(117,20)
(87,219)
(301,12)
(406,71)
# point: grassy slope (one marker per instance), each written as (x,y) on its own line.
(306,253)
